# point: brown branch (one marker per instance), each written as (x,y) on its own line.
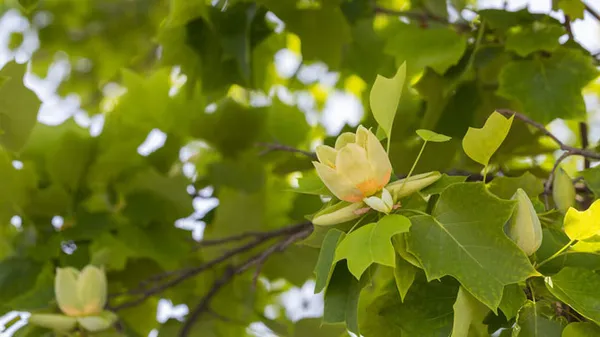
(583,134)
(270,147)
(183,274)
(572,150)
(231,272)
(592,11)
(567,24)
(422,16)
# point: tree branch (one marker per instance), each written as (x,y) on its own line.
(231,272)
(270,147)
(567,24)
(422,17)
(181,275)
(583,134)
(592,11)
(572,150)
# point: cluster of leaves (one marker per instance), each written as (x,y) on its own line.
(447,268)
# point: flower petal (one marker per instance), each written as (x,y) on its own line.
(344,139)
(92,289)
(339,185)
(65,284)
(326,155)
(338,213)
(377,204)
(352,163)
(55,322)
(387,198)
(382,167)
(362,135)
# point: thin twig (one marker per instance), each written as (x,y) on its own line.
(592,11)
(583,133)
(231,272)
(567,24)
(269,147)
(573,150)
(184,274)
(422,17)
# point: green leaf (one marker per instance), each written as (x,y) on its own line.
(466,230)
(505,187)
(557,94)
(323,267)
(553,241)
(531,324)
(323,31)
(441,184)
(295,264)
(573,8)
(371,244)
(581,329)
(17,277)
(591,177)
(286,124)
(437,48)
(583,225)
(18,107)
(313,327)
(513,299)
(578,288)
(481,144)
(430,136)
(404,274)
(384,98)
(310,183)
(341,298)
(183,11)
(426,311)
(536,37)
(468,315)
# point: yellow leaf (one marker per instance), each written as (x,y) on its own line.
(583,225)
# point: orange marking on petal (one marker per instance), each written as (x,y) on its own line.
(369,187)
(352,198)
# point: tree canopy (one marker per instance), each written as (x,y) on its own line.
(450,207)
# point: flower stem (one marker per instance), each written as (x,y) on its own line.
(414,165)
(557,253)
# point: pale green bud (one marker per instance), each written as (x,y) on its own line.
(383,204)
(341,212)
(563,191)
(402,188)
(524,226)
(99,322)
(54,322)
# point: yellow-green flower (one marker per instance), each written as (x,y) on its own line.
(357,168)
(80,293)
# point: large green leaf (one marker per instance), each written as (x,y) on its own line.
(530,323)
(464,238)
(578,288)
(468,316)
(437,48)
(513,299)
(505,187)
(372,243)
(538,36)
(341,298)
(557,94)
(426,311)
(384,97)
(18,107)
(325,263)
(581,329)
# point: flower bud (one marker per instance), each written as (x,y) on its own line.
(54,322)
(563,191)
(99,322)
(402,188)
(524,226)
(341,212)
(384,204)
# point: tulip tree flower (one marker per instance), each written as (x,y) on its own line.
(81,296)
(357,168)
